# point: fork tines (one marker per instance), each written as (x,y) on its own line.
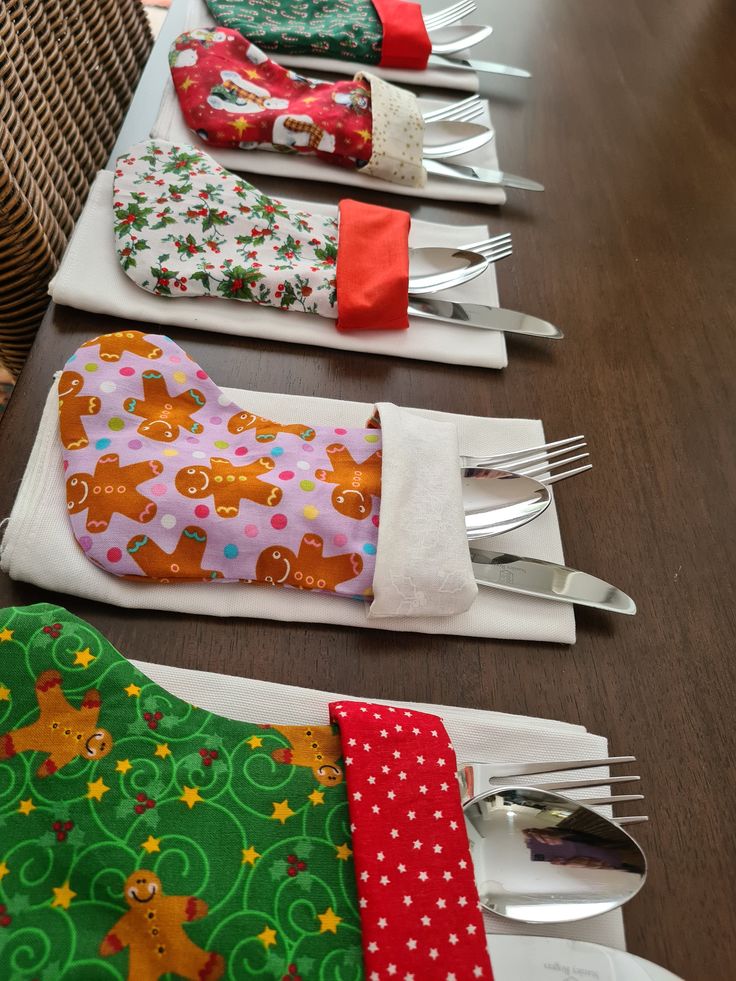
(449,15)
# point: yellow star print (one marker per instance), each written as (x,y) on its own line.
(190,797)
(6,634)
(282,811)
(343,852)
(249,856)
(328,921)
(267,937)
(254,742)
(162,750)
(26,806)
(151,844)
(187,84)
(63,895)
(96,790)
(317,797)
(251,73)
(4,694)
(84,658)
(122,766)
(133,691)
(240,125)
(364,134)
(4,870)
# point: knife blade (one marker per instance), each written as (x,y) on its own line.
(478,315)
(545,958)
(483,175)
(470,64)
(547,580)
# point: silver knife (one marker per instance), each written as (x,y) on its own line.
(534,577)
(483,175)
(478,315)
(469,64)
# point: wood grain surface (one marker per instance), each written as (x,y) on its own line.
(629,121)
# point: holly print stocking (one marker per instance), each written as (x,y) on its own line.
(184,226)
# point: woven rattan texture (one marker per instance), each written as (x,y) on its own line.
(68,70)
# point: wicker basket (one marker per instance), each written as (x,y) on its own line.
(68,69)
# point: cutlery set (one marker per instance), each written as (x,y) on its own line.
(505,492)
(453,267)
(452,43)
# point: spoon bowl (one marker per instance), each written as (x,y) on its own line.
(539,857)
(497,501)
(451,137)
(435,269)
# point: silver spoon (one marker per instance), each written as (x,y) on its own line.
(458,37)
(450,138)
(539,857)
(496,501)
(435,269)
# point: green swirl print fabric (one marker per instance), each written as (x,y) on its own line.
(349,30)
(143,838)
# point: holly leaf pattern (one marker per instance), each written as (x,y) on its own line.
(215,234)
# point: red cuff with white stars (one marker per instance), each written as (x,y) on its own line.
(419,910)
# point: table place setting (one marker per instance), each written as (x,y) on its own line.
(149,500)
(399,41)
(253,115)
(131,758)
(191,238)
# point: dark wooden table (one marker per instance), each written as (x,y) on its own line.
(629,121)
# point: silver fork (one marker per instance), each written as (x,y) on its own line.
(448,15)
(538,462)
(448,111)
(458,112)
(493,249)
(476,778)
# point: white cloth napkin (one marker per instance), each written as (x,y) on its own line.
(476,735)
(198,15)
(170,125)
(90,278)
(39,547)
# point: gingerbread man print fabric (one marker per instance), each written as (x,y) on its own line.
(167,479)
(184,226)
(233,95)
(142,838)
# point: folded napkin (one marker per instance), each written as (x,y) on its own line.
(170,125)
(89,262)
(206,491)
(232,95)
(103,765)
(478,735)
(198,15)
(387,32)
(39,545)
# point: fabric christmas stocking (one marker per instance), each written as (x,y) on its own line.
(232,95)
(384,32)
(167,479)
(184,227)
(143,838)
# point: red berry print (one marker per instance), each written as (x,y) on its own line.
(295,866)
(5,920)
